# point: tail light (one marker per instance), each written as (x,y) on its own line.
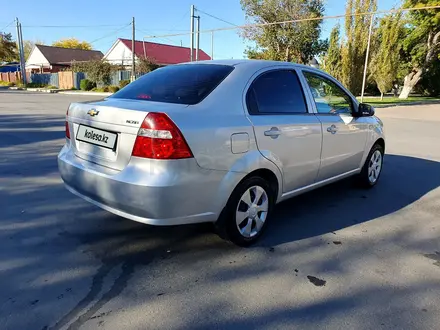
(159,138)
(67,126)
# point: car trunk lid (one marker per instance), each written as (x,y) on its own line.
(104,132)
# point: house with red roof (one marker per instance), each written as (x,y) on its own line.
(163,54)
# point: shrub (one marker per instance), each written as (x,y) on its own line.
(34,85)
(123,83)
(113,89)
(146,65)
(86,85)
(98,71)
(52,87)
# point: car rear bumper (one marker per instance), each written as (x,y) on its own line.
(148,191)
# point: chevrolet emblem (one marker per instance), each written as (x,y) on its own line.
(92,112)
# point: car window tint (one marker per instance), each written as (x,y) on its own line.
(329,97)
(184,84)
(276,92)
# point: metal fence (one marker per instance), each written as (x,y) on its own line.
(45,79)
(54,78)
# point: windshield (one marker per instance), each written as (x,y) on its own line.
(184,84)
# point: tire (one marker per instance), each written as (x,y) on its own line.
(372,168)
(253,215)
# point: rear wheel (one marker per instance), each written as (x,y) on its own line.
(372,169)
(247,212)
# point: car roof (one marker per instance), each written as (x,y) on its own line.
(256,64)
(261,63)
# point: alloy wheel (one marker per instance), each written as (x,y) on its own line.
(252,211)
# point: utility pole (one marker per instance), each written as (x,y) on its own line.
(21,52)
(133,62)
(212,45)
(197,38)
(366,57)
(191,44)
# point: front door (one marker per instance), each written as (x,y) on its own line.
(286,132)
(344,136)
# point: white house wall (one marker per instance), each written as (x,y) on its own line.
(36,59)
(120,54)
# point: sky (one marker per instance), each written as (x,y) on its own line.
(102,22)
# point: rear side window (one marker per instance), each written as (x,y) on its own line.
(184,84)
(276,92)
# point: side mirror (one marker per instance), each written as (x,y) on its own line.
(365,110)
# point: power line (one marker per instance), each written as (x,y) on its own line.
(111,33)
(68,26)
(185,14)
(215,17)
(168,30)
(298,20)
(7,25)
(168,39)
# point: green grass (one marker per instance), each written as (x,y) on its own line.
(8,84)
(396,100)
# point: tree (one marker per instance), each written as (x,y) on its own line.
(72,43)
(98,71)
(332,59)
(385,61)
(422,43)
(146,64)
(297,41)
(8,48)
(355,46)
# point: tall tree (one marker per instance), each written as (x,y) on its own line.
(297,41)
(332,59)
(355,46)
(384,63)
(72,43)
(8,48)
(421,46)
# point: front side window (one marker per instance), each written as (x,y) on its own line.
(329,97)
(276,92)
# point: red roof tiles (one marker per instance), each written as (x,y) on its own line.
(162,53)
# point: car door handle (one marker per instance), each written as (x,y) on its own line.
(274,132)
(332,129)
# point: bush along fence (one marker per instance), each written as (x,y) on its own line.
(64,79)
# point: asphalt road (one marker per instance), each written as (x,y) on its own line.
(336,258)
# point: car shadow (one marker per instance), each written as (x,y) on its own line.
(404,180)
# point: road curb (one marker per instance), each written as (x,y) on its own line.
(406,104)
(43,90)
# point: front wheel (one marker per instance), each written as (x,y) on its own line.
(372,169)
(247,212)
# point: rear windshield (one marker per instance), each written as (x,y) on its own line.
(184,84)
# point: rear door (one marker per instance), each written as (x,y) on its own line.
(286,132)
(344,136)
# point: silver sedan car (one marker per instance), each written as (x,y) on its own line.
(218,141)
